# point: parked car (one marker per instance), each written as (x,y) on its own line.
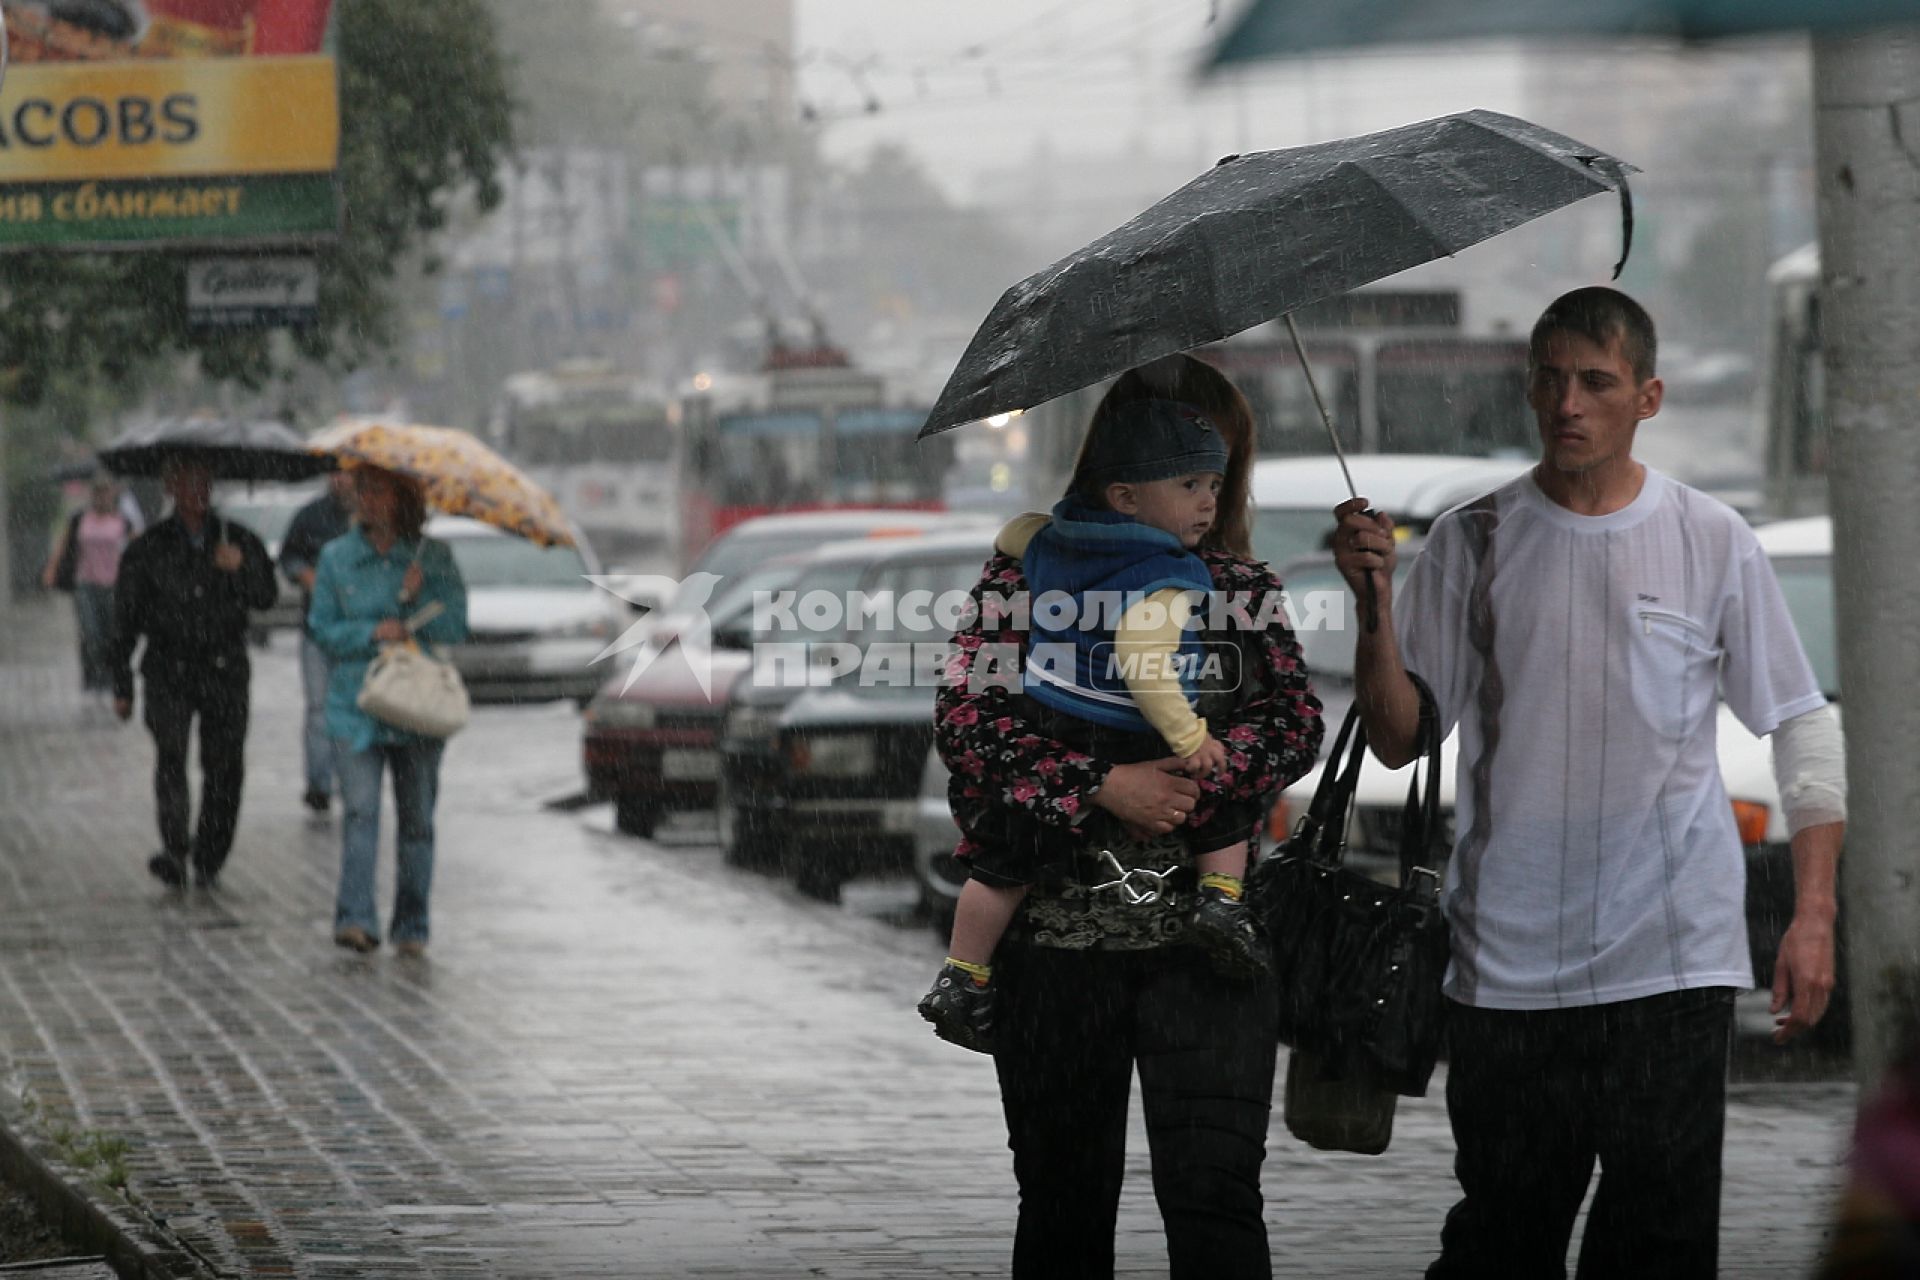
(1801,553)
(649,737)
(1294,498)
(535,621)
(748,803)
(839,795)
(650,743)
(268,510)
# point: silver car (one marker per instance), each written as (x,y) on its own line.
(536,623)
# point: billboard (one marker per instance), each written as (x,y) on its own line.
(126,123)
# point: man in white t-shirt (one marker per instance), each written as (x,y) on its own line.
(1579,627)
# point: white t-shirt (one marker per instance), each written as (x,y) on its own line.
(1595,856)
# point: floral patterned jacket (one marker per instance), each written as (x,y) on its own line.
(998,758)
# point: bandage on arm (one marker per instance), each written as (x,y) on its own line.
(1145,640)
(1810,768)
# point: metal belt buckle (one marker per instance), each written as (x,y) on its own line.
(1125,881)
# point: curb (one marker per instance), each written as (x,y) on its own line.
(133,1247)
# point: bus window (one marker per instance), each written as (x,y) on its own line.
(1290,422)
(1269,375)
(878,460)
(629,439)
(769,459)
(1456,396)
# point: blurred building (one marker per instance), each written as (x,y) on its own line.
(749,43)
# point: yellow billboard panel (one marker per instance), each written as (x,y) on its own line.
(61,121)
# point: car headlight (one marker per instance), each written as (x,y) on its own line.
(753,724)
(616,713)
(842,755)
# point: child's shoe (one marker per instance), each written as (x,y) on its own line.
(960,1007)
(1223,928)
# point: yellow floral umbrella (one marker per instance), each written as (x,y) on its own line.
(463,477)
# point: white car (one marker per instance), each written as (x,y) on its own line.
(1294,498)
(268,511)
(1801,552)
(535,621)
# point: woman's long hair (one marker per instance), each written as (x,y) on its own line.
(1193,381)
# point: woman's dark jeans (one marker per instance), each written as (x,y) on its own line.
(1536,1096)
(1072,1026)
(93,608)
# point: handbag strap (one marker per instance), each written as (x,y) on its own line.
(1322,832)
(1423,850)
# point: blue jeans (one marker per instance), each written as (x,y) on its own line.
(314,669)
(416,781)
(93,606)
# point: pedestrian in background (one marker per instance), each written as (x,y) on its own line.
(314,526)
(1581,626)
(188,585)
(370,580)
(86,562)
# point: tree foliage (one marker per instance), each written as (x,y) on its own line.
(425,118)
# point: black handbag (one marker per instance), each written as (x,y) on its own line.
(1359,963)
(66,568)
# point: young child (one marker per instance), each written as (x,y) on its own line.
(1121,542)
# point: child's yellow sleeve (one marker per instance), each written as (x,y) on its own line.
(1146,639)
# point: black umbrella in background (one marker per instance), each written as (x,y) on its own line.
(1261,235)
(230,448)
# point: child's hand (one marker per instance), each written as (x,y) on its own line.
(1209,759)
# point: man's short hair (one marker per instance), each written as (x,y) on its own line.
(1601,315)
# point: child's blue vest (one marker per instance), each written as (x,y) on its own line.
(1089,550)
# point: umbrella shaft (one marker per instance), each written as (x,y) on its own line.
(1319,402)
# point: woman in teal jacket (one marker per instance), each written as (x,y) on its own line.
(370,580)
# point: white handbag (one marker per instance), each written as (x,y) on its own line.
(409,688)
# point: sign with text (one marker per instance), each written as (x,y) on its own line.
(140,122)
(254,291)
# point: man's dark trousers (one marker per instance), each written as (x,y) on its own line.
(218,697)
(1535,1096)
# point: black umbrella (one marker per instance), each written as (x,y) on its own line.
(231,448)
(1261,235)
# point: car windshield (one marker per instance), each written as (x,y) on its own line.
(737,552)
(948,578)
(1283,534)
(829,584)
(1322,612)
(503,561)
(1807,584)
(733,603)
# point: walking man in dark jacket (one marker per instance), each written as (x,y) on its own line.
(316,524)
(187,585)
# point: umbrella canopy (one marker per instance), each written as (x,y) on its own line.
(1260,235)
(231,448)
(463,477)
(1279,28)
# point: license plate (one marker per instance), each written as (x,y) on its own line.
(680,765)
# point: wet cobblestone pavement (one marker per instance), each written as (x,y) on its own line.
(621,1058)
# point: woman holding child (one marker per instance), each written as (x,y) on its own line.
(1156,770)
